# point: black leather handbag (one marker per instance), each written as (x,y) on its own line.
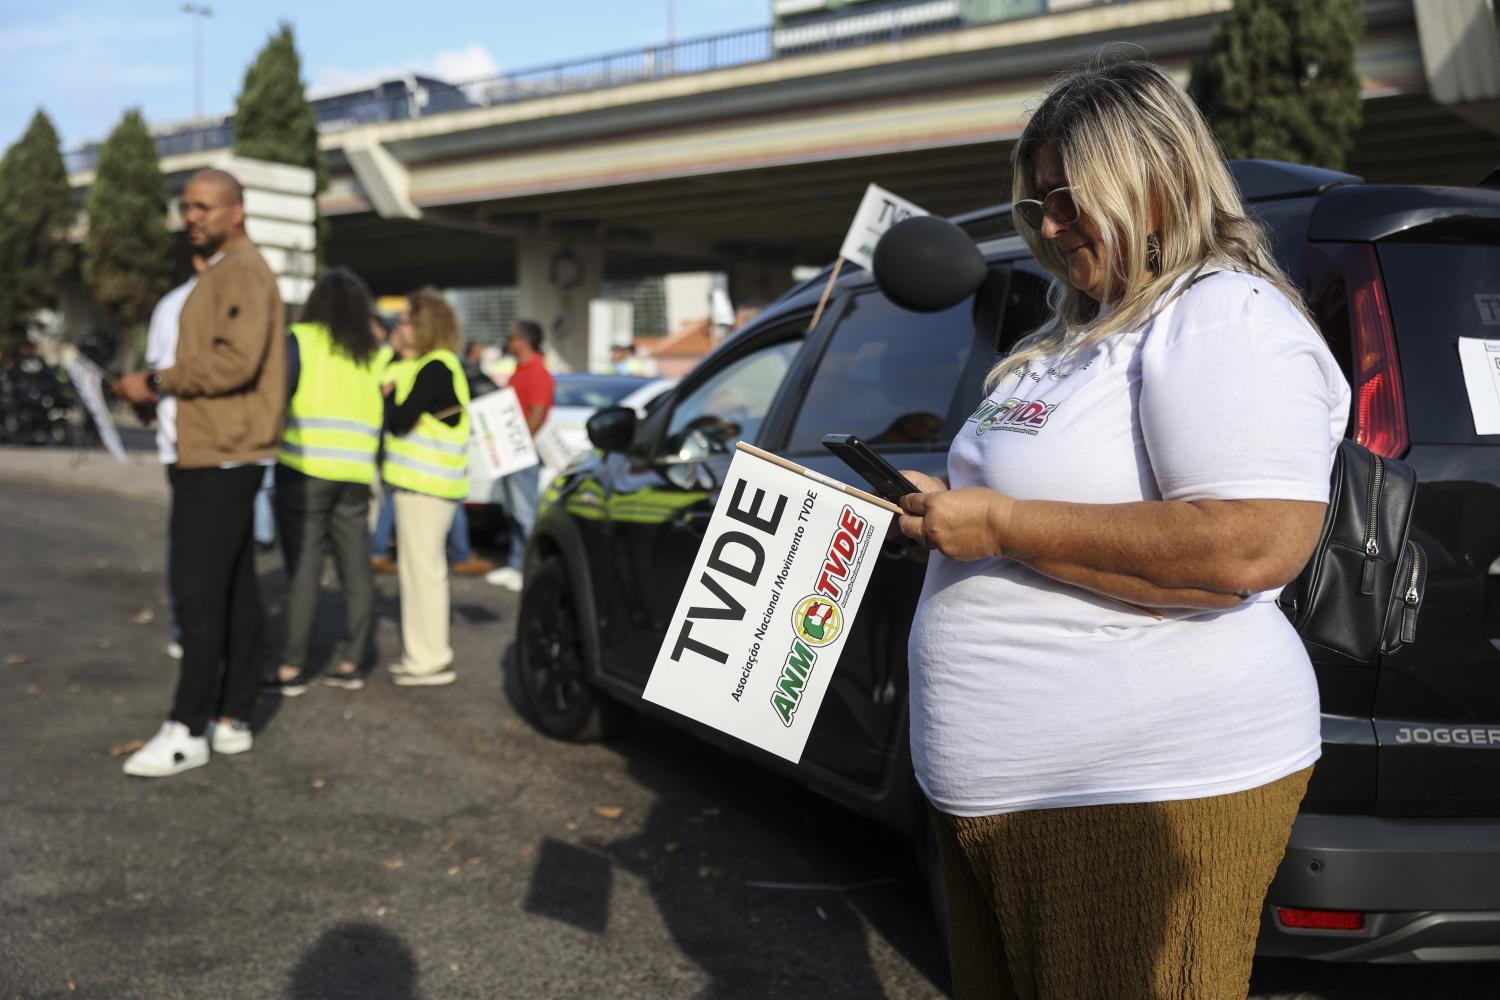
(1361,591)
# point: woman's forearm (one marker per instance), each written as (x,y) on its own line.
(1133,589)
(1195,549)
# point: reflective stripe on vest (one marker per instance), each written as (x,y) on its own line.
(333,420)
(432,458)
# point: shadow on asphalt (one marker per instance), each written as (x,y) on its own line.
(356,961)
(721,823)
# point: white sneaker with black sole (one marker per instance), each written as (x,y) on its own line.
(438,679)
(294,688)
(171,751)
(230,738)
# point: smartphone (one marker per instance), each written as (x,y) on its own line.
(879,473)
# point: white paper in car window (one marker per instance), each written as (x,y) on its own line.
(1481,363)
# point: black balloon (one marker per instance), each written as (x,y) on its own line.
(927,264)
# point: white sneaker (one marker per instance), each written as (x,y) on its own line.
(505,577)
(438,679)
(171,751)
(232,738)
(399,667)
(174,649)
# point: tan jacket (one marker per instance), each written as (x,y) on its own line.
(230,374)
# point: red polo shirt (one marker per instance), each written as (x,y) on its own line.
(533,384)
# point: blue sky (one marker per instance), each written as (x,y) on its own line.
(86,61)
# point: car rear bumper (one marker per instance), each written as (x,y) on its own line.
(1429,889)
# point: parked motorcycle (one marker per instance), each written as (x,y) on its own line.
(36,404)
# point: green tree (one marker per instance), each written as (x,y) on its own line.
(273,119)
(126,256)
(1279,81)
(35,213)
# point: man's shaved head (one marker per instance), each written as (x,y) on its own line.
(213,210)
(234,192)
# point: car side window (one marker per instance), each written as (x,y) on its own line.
(728,406)
(888,376)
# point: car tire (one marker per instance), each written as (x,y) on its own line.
(555,689)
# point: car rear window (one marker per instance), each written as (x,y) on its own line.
(1286,229)
(888,376)
(1438,293)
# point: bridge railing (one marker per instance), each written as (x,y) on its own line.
(421,98)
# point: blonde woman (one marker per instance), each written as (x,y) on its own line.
(1112,790)
(426,466)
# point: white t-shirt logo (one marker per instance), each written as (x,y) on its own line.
(1021,415)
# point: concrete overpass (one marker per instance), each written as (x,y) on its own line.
(756,167)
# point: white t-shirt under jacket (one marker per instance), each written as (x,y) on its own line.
(1028,693)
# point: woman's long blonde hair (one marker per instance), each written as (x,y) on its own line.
(1129,139)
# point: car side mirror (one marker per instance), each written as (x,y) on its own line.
(927,264)
(612,429)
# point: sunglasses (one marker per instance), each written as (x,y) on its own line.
(1057,203)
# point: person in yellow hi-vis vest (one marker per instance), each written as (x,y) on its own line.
(324,468)
(426,463)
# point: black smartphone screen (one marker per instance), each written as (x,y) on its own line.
(876,471)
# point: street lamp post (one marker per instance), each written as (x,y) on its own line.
(198,14)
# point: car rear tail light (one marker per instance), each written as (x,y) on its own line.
(1320,920)
(1379,402)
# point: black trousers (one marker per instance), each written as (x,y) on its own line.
(218,600)
(314,516)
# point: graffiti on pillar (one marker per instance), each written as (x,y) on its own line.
(565,272)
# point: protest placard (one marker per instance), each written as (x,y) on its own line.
(878,211)
(88,380)
(769,604)
(500,435)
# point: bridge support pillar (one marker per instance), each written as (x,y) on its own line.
(557,277)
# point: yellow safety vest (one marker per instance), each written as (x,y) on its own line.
(432,457)
(333,420)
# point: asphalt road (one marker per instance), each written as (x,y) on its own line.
(396,843)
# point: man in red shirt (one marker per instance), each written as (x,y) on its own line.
(533,385)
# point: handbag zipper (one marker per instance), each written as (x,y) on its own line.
(1372,545)
(1413,598)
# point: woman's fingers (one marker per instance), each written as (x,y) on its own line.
(924,482)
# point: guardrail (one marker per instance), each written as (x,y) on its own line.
(418,97)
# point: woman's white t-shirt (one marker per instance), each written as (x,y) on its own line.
(1029,693)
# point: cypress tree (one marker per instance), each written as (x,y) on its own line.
(126,256)
(1279,81)
(35,213)
(273,119)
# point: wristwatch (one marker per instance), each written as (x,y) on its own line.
(152,382)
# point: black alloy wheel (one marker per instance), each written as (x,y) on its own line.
(554,672)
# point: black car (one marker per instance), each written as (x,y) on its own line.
(1396,855)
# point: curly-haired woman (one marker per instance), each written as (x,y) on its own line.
(324,468)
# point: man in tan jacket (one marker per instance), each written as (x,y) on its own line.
(229,379)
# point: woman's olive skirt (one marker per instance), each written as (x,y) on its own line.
(1143,901)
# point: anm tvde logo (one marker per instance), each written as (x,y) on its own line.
(818,619)
(1014,414)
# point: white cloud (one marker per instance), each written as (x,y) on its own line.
(472,62)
